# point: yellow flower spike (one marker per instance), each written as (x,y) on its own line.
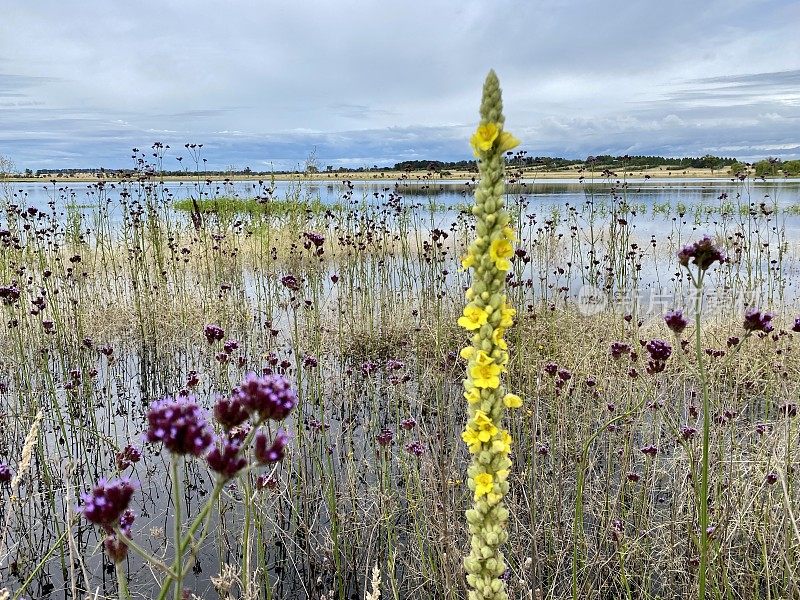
(483,139)
(507,142)
(474,316)
(487,317)
(483,484)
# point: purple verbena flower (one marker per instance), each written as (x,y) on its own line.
(796,326)
(659,351)
(395,365)
(226,460)
(703,253)
(650,450)
(385,437)
(755,320)
(107,501)
(128,456)
(290,282)
(618,349)
(230,412)
(213,333)
(676,321)
(416,448)
(180,424)
(313,238)
(271,396)
(5,473)
(275,452)
(408,424)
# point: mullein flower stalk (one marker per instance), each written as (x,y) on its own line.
(486,317)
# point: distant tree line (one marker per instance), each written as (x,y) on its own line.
(763,168)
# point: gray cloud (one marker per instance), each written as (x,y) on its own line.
(373,83)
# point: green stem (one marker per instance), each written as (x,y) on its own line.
(143,553)
(176,491)
(122,582)
(706,436)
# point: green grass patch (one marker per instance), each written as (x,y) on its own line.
(231,206)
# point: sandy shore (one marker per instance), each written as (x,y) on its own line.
(388,175)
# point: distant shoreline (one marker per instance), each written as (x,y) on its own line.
(415,176)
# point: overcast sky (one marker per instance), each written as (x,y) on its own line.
(266,82)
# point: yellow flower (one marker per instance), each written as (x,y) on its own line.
(500,251)
(497,338)
(483,359)
(467,261)
(473,395)
(512,401)
(467,353)
(483,139)
(470,438)
(508,233)
(474,317)
(507,142)
(483,424)
(485,375)
(506,316)
(484,482)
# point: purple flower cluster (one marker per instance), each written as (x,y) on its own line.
(273,453)
(116,548)
(703,253)
(416,448)
(659,351)
(271,396)
(755,320)
(5,473)
(227,460)
(107,501)
(128,456)
(385,437)
(230,412)
(676,321)
(290,282)
(9,293)
(315,238)
(180,424)
(408,424)
(796,326)
(213,333)
(618,349)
